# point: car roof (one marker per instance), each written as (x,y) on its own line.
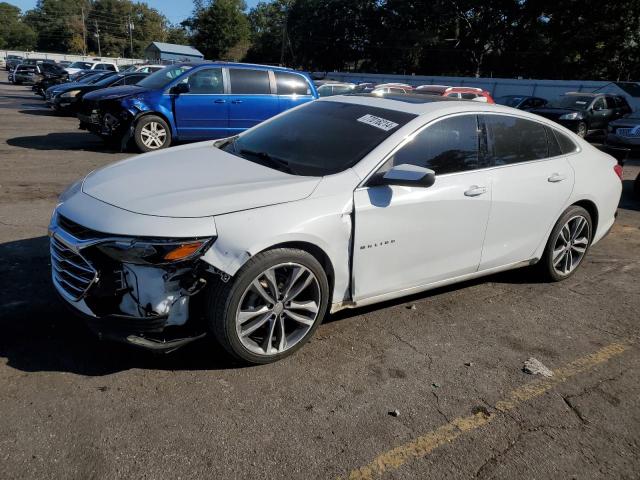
(585,94)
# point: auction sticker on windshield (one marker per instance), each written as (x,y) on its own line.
(378,122)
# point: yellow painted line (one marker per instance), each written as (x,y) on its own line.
(425,444)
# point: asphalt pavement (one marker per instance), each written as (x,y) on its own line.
(430,386)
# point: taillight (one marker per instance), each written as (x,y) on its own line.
(618,169)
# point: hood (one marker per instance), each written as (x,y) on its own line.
(196,180)
(625,122)
(553,113)
(114,93)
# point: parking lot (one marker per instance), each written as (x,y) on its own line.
(430,386)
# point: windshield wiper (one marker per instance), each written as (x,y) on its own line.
(277,163)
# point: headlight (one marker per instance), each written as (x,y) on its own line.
(153,252)
(70,191)
(70,94)
(571,116)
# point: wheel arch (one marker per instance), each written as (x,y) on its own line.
(590,207)
(317,252)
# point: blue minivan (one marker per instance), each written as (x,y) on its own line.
(187,102)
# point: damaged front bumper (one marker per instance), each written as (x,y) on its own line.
(145,301)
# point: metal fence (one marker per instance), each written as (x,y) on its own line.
(69,57)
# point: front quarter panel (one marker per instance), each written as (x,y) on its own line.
(322,220)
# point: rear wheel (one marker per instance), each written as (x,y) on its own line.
(568,244)
(152,133)
(271,307)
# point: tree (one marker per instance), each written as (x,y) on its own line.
(218,27)
(14,33)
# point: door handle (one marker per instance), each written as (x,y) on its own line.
(220,101)
(475,191)
(236,101)
(556,177)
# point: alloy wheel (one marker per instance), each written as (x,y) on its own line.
(153,135)
(278,309)
(571,245)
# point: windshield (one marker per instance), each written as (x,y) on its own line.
(104,81)
(162,77)
(572,102)
(82,65)
(321,138)
(509,101)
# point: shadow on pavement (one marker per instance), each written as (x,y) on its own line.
(37,333)
(63,141)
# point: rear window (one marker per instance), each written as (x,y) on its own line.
(249,82)
(320,138)
(291,84)
(82,65)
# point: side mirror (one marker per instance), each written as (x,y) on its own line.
(406,175)
(180,88)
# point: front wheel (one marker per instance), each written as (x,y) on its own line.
(152,133)
(568,244)
(582,129)
(271,307)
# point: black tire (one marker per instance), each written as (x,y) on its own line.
(146,123)
(545,265)
(223,301)
(582,129)
(636,186)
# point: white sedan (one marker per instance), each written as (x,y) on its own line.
(343,202)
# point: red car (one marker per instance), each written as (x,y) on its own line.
(467,93)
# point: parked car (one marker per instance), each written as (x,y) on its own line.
(336,88)
(47,75)
(391,88)
(24,73)
(75,67)
(624,133)
(187,103)
(12,62)
(585,113)
(53,91)
(521,102)
(465,93)
(145,68)
(69,97)
(364,87)
(343,202)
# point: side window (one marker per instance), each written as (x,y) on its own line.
(453,95)
(249,82)
(566,144)
(599,104)
(291,84)
(514,140)
(206,81)
(448,146)
(392,90)
(468,96)
(110,67)
(99,66)
(552,141)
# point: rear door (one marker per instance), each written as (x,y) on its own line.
(203,112)
(531,181)
(292,90)
(251,98)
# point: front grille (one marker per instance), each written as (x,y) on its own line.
(77,230)
(628,132)
(73,274)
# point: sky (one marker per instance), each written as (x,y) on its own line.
(174,10)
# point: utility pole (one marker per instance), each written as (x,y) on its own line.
(130,37)
(95,22)
(84,34)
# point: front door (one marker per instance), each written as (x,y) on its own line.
(203,112)
(251,99)
(408,236)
